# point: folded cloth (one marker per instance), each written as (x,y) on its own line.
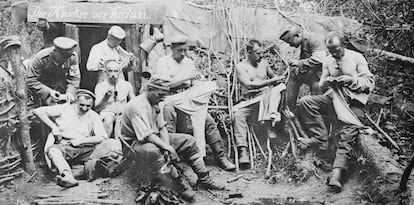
(342,109)
(269,104)
(194,102)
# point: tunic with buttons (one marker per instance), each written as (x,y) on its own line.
(44,74)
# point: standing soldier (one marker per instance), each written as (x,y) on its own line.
(307,69)
(108,49)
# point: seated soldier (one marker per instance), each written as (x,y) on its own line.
(112,94)
(144,129)
(255,75)
(346,73)
(180,70)
(76,130)
(53,73)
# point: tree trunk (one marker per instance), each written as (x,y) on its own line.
(13,53)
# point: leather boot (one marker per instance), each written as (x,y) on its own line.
(243,156)
(184,189)
(221,159)
(335,179)
(66,179)
(204,180)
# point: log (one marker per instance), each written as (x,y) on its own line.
(381,157)
(13,53)
(392,56)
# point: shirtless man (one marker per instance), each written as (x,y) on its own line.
(112,95)
(254,74)
(345,72)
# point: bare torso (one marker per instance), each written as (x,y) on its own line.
(348,65)
(255,74)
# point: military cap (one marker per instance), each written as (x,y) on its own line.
(64,43)
(159,84)
(84,92)
(178,39)
(288,32)
(8,41)
(117,32)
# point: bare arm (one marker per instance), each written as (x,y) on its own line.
(244,79)
(364,81)
(324,76)
(44,117)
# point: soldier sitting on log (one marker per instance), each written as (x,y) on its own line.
(145,134)
(346,73)
(77,136)
(53,73)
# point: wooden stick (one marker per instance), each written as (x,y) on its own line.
(382,131)
(292,142)
(269,162)
(406,175)
(261,149)
(249,143)
(13,53)
(235,178)
(379,116)
(12,174)
(285,151)
(252,142)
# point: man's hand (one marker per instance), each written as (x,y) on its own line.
(278,79)
(70,97)
(55,95)
(345,79)
(109,93)
(76,142)
(294,63)
(173,154)
(57,131)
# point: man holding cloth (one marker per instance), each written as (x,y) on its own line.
(347,75)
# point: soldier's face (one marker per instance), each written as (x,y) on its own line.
(294,40)
(84,104)
(113,42)
(336,49)
(112,71)
(179,52)
(156,95)
(64,54)
(256,54)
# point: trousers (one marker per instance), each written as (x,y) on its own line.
(313,109)
(180,122)
(151,158)
(295,81)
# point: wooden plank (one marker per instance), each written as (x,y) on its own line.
(111,13)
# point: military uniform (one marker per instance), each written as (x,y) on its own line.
(44,73)
(312,52)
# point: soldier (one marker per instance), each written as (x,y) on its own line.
(307,69)
(53,73)
(112,95)
(76,130)
(144,129)
(181,70)
(108,49)
(346,73)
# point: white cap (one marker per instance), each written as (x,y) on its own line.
(117,32)
(64,43)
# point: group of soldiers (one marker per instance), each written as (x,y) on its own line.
(154,133)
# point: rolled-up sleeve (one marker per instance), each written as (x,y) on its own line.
(141,128)
(94,59)
(98,127)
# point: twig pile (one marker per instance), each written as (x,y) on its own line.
(150,194)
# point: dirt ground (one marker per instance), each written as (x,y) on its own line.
(254,188)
